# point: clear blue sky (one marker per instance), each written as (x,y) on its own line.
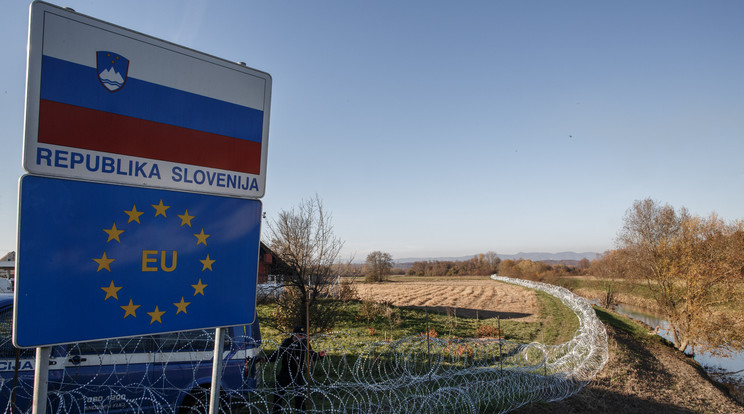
(433,128)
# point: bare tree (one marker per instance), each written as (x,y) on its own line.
(303,238)
(378,267)
(693,266)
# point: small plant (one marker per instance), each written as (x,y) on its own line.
(460,349)
(369,311)
(451,321)
(488,331)
(392,314)
(431,334)
(347,290)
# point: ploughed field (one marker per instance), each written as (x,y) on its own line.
(487,297)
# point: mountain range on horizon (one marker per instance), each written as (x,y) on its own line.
(534,256)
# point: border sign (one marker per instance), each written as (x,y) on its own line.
(109,104)
(106,261)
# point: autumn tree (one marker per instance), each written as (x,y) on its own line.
(378,267)
(304,240)
(485,264)
(509,268)
(611,268)
(482,264)
(416,269)
(694,267)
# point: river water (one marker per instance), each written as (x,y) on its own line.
(728,369)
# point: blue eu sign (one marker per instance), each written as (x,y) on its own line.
(102,261)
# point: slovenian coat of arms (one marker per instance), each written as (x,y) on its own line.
(112,70)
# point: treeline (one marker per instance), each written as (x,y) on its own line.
(484,264)
(489,264)
(540,271)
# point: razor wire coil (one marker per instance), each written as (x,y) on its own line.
(416,374)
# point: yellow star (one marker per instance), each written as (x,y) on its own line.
(160,209)
(185,218)
(182,306)
(133,214)
(207,263)
(199,288)
(113,233)
(130,309)
(103,262)
(201,238)
(155,315)
(111,291)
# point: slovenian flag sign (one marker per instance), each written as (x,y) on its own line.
(107,261)
(121,92)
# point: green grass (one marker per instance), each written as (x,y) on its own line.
(559,323)
(408,321)
(364,322)
(638,288)
(622,323)
(635,329)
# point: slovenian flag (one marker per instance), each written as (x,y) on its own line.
(122,95)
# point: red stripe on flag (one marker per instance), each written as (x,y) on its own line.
(74,126)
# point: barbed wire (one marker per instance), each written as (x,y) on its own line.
(416,374)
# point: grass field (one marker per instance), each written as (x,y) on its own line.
(453,308)
(448,309)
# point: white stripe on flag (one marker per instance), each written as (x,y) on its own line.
(182,68)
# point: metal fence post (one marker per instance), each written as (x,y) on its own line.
(501,354)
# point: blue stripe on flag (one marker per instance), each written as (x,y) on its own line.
(75,84)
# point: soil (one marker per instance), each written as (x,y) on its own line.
(641,376)
(468,296)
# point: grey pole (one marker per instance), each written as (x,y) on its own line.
(41,380)
(214,393)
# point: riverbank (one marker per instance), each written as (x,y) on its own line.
(644,374)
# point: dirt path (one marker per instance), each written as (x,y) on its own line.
(640,377)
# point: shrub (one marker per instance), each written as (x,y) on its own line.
(487,331)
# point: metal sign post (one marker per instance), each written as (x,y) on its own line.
(214,391)
(41,380)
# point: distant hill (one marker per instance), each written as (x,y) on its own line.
(562,257)
(550,256)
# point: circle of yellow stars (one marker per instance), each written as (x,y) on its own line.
(114,234)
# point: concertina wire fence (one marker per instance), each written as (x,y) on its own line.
(418,374)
